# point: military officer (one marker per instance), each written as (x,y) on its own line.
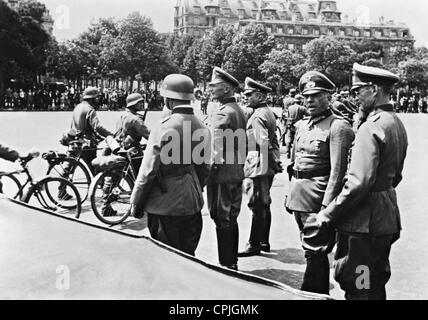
(366,213)
(318,166)
(263,162)
(295,113)
(224,189)
(171,177)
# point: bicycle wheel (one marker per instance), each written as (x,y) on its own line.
(49,193)
(10,186)
(79,174)
(110,195)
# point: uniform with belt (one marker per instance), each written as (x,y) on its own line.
(224,189)
(319,162)
(263,162)
(366,213)
(170,181)
(85,120)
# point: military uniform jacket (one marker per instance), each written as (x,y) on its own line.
(8,154)
(296,112)
(368,201)
(228,162)
(261,133)
(85,120)
(131,124)
(182,176)
(322,143)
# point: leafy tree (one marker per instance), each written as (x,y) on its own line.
(248,51)
(214,48)
(190,63)
(23,43)
(415,73)
(330,56)
(282,67)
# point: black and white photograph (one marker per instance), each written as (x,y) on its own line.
(213,153)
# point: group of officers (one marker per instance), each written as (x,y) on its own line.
(342,183)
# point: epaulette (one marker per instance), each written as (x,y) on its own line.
(166,119)
(222,107)
(374,118)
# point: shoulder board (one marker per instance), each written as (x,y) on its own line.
(222,107)
(374,118)
(166,119)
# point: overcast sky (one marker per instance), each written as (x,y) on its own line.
(74,16)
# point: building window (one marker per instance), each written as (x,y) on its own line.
(330,32)
(356,33)
(290,31)
(241,13)
(342,33)
(305,31)
(405,34)
(290,46)
(378,34)
(367,33)
(393,34)
(269,29)
(280,30)
(316,32)
(197,10)
(304,46)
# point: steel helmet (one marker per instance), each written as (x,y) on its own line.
(177,86)
(90,93)
(133,99)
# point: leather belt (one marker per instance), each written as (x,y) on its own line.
(311,173)
(177,171)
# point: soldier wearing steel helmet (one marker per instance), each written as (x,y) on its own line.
(365,212)
(318,166)
(174,172)
(262,163)
(85,120)
(224,190)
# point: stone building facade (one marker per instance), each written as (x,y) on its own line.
(295,21)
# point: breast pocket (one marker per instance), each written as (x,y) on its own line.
(318,143)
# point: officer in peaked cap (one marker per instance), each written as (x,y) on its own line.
(221,76)
(224,189)
(170,191)
(318,165)
(262,163)
(365,213)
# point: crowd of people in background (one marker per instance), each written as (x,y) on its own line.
(65,98)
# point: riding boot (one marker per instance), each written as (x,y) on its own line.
(317,274)
(227,246)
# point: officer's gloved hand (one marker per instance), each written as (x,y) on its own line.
(136,212)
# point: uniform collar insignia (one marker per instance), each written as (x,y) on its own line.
(227,100)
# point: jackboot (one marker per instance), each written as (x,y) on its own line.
(317,274)
(227,247)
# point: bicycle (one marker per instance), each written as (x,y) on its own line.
(71,166)
(111,189)
(48,193)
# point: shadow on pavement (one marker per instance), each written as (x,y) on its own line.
(290,278)
(289,256)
